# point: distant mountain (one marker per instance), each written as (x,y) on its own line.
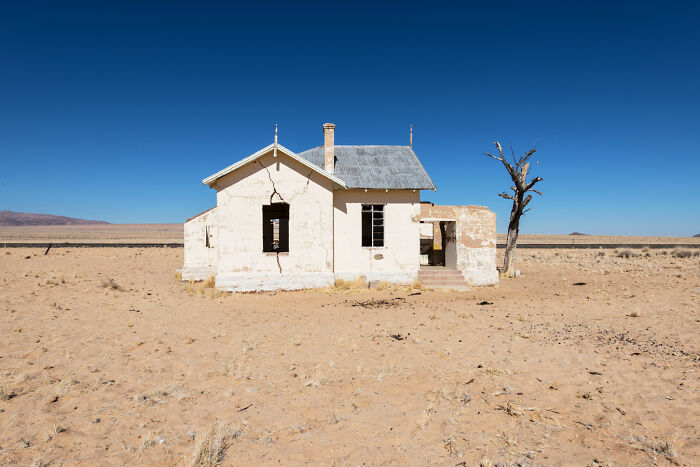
(577,233)
(25,218)
(696,235)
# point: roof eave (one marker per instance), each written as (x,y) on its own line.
(211,180)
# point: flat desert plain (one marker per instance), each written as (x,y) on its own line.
(174,233)
(590,357)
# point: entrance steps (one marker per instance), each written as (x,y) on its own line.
(442,278)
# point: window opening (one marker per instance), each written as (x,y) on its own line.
(372,225)
(275,228)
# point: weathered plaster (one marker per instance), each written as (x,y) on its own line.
(475,234)
(398,260)
(240,197)
(200,261)
(325,232)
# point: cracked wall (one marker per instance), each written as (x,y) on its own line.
(240,196)
(475,234)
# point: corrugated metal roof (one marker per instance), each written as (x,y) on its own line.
(375,167)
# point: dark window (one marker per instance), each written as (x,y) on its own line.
(372,225)
(276,228)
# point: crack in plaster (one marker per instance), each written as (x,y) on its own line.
(274,188)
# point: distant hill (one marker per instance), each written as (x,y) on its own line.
(24,218)
(577,233)
(696,235)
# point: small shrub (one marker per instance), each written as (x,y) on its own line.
(108,283)
(684,253)
(626,254)
(601,253)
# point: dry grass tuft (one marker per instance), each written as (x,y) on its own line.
(418,285)
(684,253)
(210,283)
(109,283)
(485,462)
(667,449)
(626,254)
(357,284)
(40,461)
(6,394)
(383,285)
(178,276)
(210,448)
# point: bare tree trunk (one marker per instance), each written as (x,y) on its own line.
(511,241)
(518,174)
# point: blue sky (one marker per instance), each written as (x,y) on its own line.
(118,110)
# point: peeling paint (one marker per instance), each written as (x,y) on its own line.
(475,240)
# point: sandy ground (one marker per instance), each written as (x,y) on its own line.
(173,233)
(548,372)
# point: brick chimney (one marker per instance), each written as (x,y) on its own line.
(328,147)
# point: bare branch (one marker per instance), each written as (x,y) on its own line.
(500,149)
(492,156)
(529,154)
(532,189)
(529,186)
(505,195)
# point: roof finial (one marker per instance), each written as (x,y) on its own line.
(275,149)
(410,138)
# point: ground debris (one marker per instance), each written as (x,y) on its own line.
(376,302)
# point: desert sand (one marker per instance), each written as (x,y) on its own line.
(588,358)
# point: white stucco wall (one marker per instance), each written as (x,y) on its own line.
(200,261)
(474,252)
(398,261)
(476,245)
(243,266)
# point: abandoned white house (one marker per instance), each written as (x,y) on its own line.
(289,221)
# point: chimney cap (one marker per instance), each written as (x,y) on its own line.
(328,126)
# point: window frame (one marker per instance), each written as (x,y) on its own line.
(374,209)
(282,228)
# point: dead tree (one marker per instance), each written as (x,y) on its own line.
(518,174)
